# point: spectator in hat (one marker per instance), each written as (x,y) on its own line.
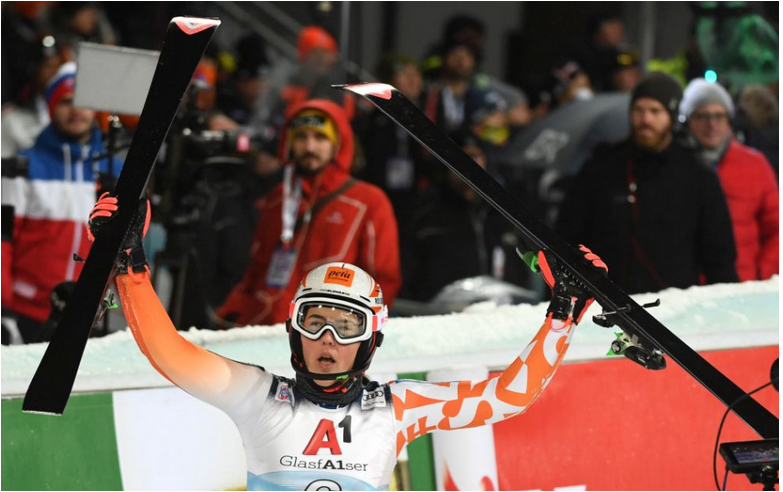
(625,70)
(596,54)
(386,155)
(311,76)
(491,122)
(319,214)
(317,70)
(21,44)
(747,178)
(569,83)
(649,206)
(75,22)
(238,99)
(460,28)
(51,204)
(451,101)
(759,125)
(23,120)
(468,31)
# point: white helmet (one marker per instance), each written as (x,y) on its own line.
(341,286)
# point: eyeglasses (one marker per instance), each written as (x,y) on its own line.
(706,117)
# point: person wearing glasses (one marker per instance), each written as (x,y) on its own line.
(745,174)
(647,206)
(330,427)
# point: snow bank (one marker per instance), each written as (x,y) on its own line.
(707,318)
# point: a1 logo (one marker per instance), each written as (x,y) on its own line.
(325,436)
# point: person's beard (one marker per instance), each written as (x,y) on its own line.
(656,141)
(306,171)
(76,128)
(456,75)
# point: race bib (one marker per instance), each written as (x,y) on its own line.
(281,266)
(400,174)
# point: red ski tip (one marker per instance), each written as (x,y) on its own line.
(192,25)
(384,91)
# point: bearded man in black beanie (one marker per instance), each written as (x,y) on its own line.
(648,207)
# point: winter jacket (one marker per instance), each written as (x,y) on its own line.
(51,208)
(676,231)
(21,125)
(356,225)
(752,193)
(451,238)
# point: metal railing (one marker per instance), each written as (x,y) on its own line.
(250,14)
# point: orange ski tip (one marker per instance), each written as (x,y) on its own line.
(193,25)
(384,91)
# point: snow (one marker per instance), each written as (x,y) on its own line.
(707,318)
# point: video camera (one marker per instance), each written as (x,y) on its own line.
(759,460)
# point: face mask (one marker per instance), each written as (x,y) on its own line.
(496,135)
(583,94)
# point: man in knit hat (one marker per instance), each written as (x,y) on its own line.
(24,119)
(316,70)
(648,207)
(318,214)
(747,178)
(50,206)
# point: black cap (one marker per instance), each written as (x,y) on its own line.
(391,64)
(663,88)
(252,60)
(449,46)
(623,57)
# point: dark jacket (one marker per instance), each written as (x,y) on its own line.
(393,161)
(677,234)
(450,239)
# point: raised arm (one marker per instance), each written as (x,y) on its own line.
(421,408)
(207,376)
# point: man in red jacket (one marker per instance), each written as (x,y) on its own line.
(747,178)
(317,215)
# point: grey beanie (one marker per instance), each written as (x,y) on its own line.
(700,92)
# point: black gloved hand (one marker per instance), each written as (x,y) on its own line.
(132,254)
(570,298)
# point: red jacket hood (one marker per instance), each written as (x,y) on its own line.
(344,155)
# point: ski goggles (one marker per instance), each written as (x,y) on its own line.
(349,323)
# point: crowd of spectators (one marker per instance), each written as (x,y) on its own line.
(281,172)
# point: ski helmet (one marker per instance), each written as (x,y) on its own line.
(346,287)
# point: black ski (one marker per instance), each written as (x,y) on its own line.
(184,44)
(647,334)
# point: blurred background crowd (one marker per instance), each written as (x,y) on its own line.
(547,97)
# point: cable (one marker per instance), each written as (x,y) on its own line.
(720,429)
(725,479)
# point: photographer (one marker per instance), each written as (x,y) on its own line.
(214,172)
(50,205)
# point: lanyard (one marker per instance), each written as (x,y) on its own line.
(453,109)
(292,197)
(634,201)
